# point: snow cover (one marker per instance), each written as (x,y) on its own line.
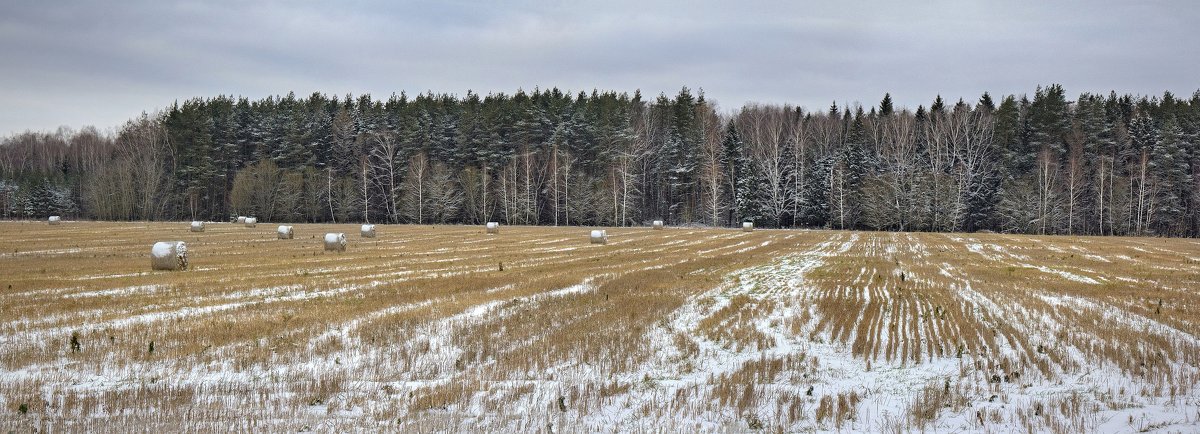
(47,252)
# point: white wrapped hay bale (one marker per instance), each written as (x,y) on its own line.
(55,220)
(335,242)
(599,236)
(251,222)
(197,226)
(493,227)
(285,232)
(169,255)
(657,225)
(748,226)
(367,231)
(241,220)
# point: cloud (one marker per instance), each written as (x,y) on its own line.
(87,63)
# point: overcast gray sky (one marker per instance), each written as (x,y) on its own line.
(101,63)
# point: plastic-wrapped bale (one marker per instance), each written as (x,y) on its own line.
(251,222)
(285,232)
(599,237)
(657,224)
(55,220)
(748,226)
(335,242)
(493,227)
(367,231)
(169,255)
(197,226)
(241,220)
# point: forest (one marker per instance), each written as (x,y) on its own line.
(1041,164)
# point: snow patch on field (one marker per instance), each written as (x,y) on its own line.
(47,252)
(1109,398)
(997,253)
(672,371)
(116,292)
(111,276)
(1064,274)
(1115,315)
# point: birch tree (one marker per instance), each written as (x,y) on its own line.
(416,188)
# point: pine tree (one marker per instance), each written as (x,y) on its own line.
(749,183)
(1014,157)
(1170,165)
(847,175)
(1048,120)
(885,106)
(986,103)
(815,196)
(732,150)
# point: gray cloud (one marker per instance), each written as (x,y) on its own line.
(90,63)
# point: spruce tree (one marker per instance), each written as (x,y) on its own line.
(749,184)
(731,155)
(885,106)
(1170,165)
(986,103)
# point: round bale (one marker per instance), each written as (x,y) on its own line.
(285,232)
(241,220)
(335,242)
(367,231)
(657,225)
(493,227)
(169,255)
(748,226)
(197,226)
(599,236)
(251,222)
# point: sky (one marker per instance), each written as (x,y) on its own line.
(76,63)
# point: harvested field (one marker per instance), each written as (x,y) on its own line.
(443,328)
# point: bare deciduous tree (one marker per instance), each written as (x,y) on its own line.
(416,188)
(384,157)
(764,128)
(711,170)
(444,197)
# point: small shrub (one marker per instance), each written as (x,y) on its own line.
(754,423)
(75,345)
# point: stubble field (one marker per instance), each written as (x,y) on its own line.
(445,328)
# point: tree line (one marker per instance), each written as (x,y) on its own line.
(1041,164)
